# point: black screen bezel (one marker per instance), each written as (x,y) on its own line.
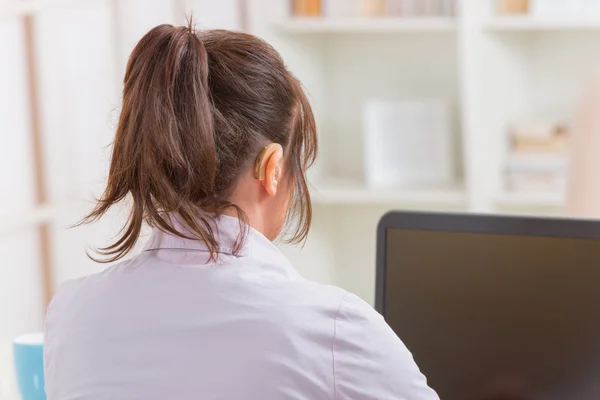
(472,223)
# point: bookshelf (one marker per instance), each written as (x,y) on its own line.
(323,37)
(493,70)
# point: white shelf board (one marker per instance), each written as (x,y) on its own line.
(366,25)
(349,193)
(27,218)
(531,201)
(531,24)
(43,214)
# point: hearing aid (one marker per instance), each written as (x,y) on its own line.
(260,165)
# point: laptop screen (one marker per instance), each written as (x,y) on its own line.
(487,314)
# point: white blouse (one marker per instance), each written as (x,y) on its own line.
(168,324)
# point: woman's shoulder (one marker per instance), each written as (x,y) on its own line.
(67,292)
(332,305)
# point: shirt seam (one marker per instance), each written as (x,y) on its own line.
(222,250)
(334,342)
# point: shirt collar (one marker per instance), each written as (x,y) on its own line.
(226,230)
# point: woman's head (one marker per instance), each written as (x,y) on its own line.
(198,109)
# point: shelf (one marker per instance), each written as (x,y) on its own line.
(35,216)
(533,24)
(529,201)
(305,25)
(44,214)
(349,193)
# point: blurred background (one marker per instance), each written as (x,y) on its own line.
(462,105)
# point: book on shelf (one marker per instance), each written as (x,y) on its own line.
(372,8)
(524,146)
(538,129)
(539,137)
(513,6)
(550,8)
(306,8)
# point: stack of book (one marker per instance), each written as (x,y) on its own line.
(537,158)
(372,8)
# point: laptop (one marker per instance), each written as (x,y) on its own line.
(494,307)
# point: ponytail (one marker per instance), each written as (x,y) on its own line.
(164,153)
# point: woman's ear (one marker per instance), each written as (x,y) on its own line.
(273,172)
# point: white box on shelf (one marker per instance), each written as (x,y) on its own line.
(408,143)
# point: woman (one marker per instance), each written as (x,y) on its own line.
(212,147)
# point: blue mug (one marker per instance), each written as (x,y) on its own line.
(29,364)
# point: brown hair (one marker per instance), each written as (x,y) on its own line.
(197,109)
